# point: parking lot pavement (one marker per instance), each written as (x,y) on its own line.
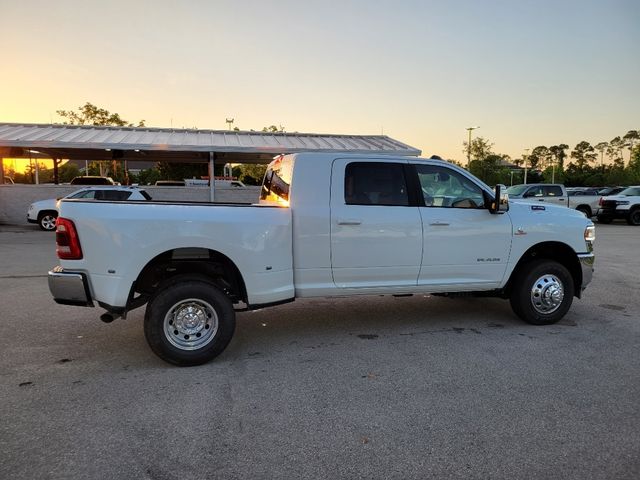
(375,387)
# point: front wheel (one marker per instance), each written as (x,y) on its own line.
(47,221)
(189,322)
(542,292)
(634,217)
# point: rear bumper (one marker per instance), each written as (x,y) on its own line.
(586,262)
(70,288)
(612,213)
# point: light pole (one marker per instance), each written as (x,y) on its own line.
(230,122)
(469,129)
(526,155)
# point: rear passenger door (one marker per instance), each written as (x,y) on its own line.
(547,193)
(554,194)
(376,230)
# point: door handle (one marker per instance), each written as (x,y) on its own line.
(439,223)
(349,222)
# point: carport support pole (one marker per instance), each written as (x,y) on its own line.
(212,178)
(1,171)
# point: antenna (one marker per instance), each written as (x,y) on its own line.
(230,122)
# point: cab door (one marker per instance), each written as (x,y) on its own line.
(465,246)
(376,232)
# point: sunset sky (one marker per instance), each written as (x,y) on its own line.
(527,72)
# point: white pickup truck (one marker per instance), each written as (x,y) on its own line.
(326,225)
(625,204)
(556,194)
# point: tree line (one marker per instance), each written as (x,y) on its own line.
(584,165)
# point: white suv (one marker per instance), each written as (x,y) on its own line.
(45,212)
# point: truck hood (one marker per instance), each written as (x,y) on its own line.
(540,208)
(619,197)
(49,204)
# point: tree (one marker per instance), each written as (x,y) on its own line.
(480,148)
(250,174)
(630,139)
(90,114)
(584,154)
(539,157)
(614,151)
(273,129)
(559,154)
(633,169)
(602,147)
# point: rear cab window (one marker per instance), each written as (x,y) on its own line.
(277,181)
(373,183)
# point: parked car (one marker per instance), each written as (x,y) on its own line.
(625,204)
(606,191)
(45,212)
(92,180)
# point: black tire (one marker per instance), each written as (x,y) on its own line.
(541,277)
(586,211)
(201,316)
(634,217)
(47,220)
(604,219)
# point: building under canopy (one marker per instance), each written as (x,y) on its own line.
(174,145)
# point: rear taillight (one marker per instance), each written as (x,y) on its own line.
(67,241)
(600,201)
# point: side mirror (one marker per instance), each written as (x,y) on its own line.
(500,201)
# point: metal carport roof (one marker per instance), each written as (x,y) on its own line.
(88,142)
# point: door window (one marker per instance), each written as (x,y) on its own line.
(553,191)
(444,187)
(369,183)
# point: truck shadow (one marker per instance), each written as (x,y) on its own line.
(369,318)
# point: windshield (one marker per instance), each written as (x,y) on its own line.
(630,192)
(517,190)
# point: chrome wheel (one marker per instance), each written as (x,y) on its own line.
(191,324)
(547,294)
(48,222)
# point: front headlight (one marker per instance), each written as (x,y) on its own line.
(590,235)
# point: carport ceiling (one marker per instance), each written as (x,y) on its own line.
(87,142)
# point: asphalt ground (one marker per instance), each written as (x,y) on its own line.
(371,387)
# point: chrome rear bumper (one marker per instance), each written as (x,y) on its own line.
(70,288)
